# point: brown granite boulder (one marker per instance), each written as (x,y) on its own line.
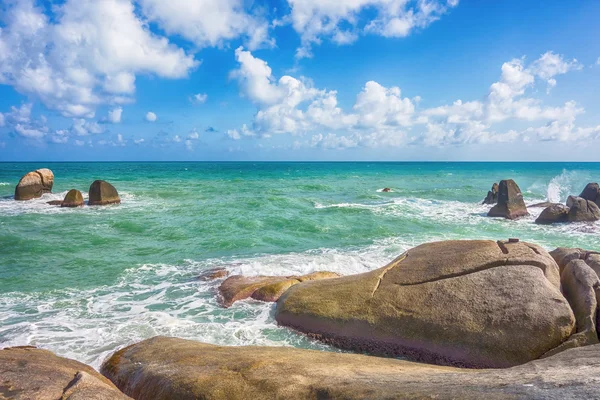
(582,210)
(28,373)
(34,184)
(472,303)
(73,199)
(103,193)
(591,193)
(263,288)
(553,214)
(510,201)
(168,368)
(492,196)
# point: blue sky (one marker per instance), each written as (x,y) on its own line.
(299,80)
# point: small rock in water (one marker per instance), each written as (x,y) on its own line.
(213,274)
(513,240)
(386,190)
(73,199)
(103,193)
(55,202)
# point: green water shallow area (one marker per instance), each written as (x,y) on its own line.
(85,281)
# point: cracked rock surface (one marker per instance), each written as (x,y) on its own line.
(480,304)
(168,368)
(28,373)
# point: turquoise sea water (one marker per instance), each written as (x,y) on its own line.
(84,282)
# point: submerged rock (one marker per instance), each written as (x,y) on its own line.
(34,184)
(168,368)
(386,190)
(544,204)
(553,214)
(582,210)
(55,202)
(465,303)
(73,199)
(264,288)
(103,193)
(492,196)
(213,274)
(28,373)
(510,201)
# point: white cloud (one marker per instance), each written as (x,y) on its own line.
(29,132)
(74,60)
(115,114)
(2,123)
(60,137)
(139,141)
(79,143)
(82,127)
(20,120)
(151,117)
(343,20)
(194,135)
(209,22)
(176,139)
(381,117)
(189,145)
(199,98)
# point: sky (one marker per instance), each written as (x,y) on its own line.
(314,80)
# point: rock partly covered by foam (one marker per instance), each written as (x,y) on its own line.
(510,201)
(168,368)
(553,214)
(213,274)
(34,184)
(582,210)
(591,192)
(73,199)
(492,196)
(103,193)
(264,288)
(27,373)
(467,303)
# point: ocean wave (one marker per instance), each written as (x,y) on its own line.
(4,183)
(566,184)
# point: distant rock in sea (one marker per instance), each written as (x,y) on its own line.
(582,210)
(103,193)
(34,184)
(510,201)
(73,199)
(553,214)
(492,196)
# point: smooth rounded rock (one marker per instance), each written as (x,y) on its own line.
(510,201)
(591,192)
(73,199)
(102,193)
(554,214)
(465,303)
(169,368)
(28,373)
(582,210)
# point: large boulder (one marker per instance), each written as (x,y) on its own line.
(73,199)
(591,193)
(467,303)
(34,184)
(553,214)
(168,368)
(492,196)
(510,201)
(582,210)
(102,193)
(28,373)
(263,288)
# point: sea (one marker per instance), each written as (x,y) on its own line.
(85,282)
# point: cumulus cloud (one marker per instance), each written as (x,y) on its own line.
(114,115)
(209,22)
(381,117)
(73,60)
(342,21)
(21,122)
(139,141)
(199,98)
(193,135)
(151,117)
(82,127)
(2,123)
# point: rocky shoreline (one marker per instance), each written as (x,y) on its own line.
(470,319)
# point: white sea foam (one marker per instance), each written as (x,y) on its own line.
(9,206)
(4,183)
(565,184)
